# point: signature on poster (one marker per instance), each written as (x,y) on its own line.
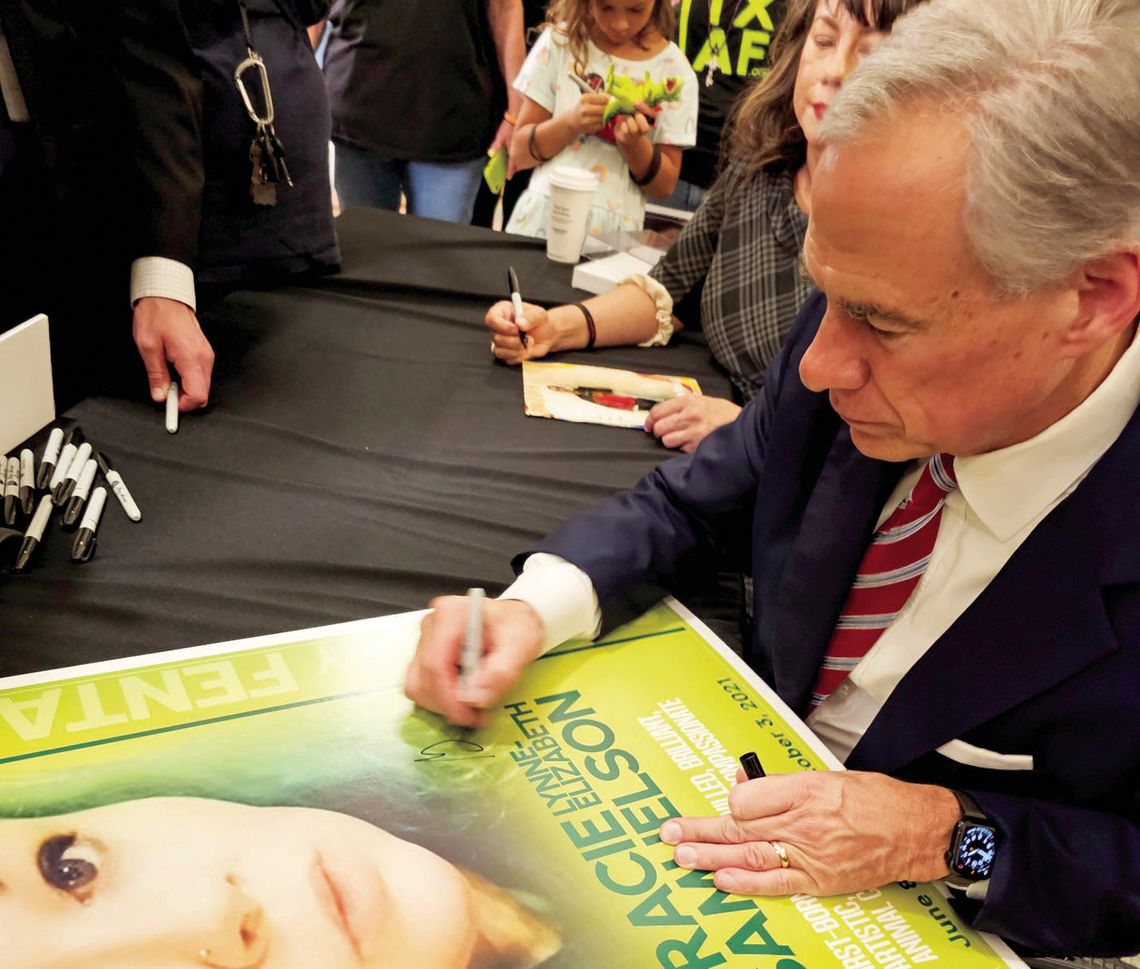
(451,749)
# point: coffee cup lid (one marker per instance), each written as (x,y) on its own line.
(574,178)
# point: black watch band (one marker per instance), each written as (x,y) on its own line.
(970,809)
(973,844)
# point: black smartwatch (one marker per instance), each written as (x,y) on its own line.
(973,846)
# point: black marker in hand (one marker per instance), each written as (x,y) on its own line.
(751,764)
(516,301)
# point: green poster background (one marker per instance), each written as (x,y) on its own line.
(559,798)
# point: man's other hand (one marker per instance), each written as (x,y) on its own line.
(841,832)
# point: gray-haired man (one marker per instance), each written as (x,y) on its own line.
(976,230)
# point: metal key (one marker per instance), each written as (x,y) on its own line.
(275,151)
(262,189)
(266,153)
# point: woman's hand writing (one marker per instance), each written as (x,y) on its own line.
(505,342)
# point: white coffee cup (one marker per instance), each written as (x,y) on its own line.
(571,194)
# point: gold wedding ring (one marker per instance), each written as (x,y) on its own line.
(781,853)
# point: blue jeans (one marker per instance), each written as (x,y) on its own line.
(437,190)
(686,196)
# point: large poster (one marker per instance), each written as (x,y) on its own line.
(277,802)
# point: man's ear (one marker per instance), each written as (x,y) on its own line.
(1108,300)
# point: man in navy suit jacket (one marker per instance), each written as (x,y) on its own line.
(975,229)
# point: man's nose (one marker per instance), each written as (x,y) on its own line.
(833,361)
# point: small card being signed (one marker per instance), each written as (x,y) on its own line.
(597,395)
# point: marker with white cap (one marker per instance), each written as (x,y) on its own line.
(35,533)
(79,495)
(63,491)
(471,652)
(27,480)
(11,489)
(51,455)
(172,408)
(118,486)
(70,446)
(85,540)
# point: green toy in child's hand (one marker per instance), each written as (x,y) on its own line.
(625,93)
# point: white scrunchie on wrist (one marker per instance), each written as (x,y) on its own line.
(664,303)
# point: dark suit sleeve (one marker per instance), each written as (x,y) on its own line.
(1067,879)
(692,514)
(158,78)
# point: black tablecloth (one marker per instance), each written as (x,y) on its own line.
(363,454)
(383,250)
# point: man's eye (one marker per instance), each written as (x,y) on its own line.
(70,865)
(879,331)
(866,319)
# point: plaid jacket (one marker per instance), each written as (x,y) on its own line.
(743,244)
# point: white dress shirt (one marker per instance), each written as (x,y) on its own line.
(1002,496)
(150,275)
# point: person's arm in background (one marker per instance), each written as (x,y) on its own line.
(156,68)
(541,133)
(625,315)
(529,148)
(508,31)
(634,141)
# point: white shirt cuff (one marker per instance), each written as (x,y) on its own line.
(562,595)
(159,276)
(978,891)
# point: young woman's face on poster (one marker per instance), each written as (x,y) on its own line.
(171,883)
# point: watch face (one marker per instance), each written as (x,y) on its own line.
(974,857)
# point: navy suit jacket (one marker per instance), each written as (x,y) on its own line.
(1046,661)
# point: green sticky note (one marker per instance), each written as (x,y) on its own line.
(495,171)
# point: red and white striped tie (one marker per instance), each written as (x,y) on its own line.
(891,568)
